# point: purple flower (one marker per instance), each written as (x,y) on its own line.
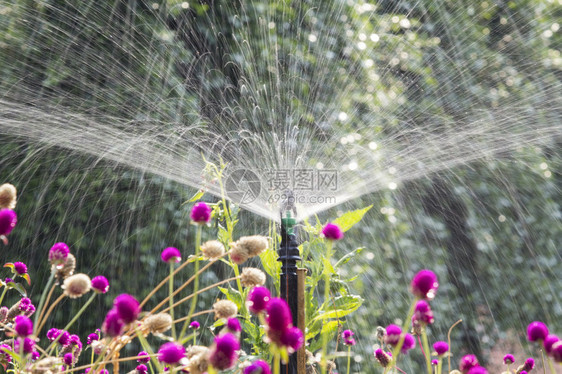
(508,359)
(171,254)
(144,357)
(223,354)
(258,299)
(171,353)
(4,355)
(434,362)
(200,213)
(127,307)
(441,347)
(332,232)
(537,331)
(409,343)
(75,340)
(556,351)
(233,325)
(292,338)
(393,333)
(100,284)
(8,280)
(24,326)
(529,364)
(64,337)
(35,355)
(523,372)
(423,313)
(58,253)
(382,357)
(113,325)
(477,370)
(28,345)
(26,306)
(142,369)
(8,220)
(549,342)
(258,367)
(53,333)
(20,268)
(194,325)
(92,338)
(468,362)
(68,359)
(347,334)
(424,284)
(349,342)
(278,315)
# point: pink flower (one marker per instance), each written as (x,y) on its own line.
(142,369)
(171,353)
(556,351)
(478,370)
(347,337)
(68,359)
(92,338)
(258,367)
(20,268)
(508,359)
(537,331)
(468,362)
(194,325)
(64,337)
(200,213)
(171,254)
(409,343)
(233,325)
(223,354)
(144,357)
(100,284)
(424,284)
(423,313)
(23,326)
(58,253)
(113,325)
(258,298)
(292,338)
(332,232)
(529,364)
(393,333)
(127,307)
(279,316)
(53,333)
(28,345)
(549,342)
(8,220)
(441,347)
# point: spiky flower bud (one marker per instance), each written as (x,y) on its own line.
(77,285)
(253,245)
(225,309)
(382,357)
(212,249)
(3,314)
(252,277)
(158,323)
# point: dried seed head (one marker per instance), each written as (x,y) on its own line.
(330,366)
(238,254)
(212,249)
(3,314)
(381,333)
(198,364)
(225,309)
(158,323)
(77,285)
(196,350)
(252,277)
(99,347)
(14,311)
(68,268)
(253,245)
(46,365)
(8,194)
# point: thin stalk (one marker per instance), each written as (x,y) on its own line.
(449,342)
(3,294)
(426,347)
(124,359)
(48,313)
(407,322)
(171,297)
(84,307)
(276,363)
(162,283)
(148,349)
(199,292)
(329,244)
(196,285)
(348,358)
(194,315)
(39,311)
(440,366)
(421,347)
(550,365)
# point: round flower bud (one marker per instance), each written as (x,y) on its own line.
(158,323)
(27,345)
(252,277)
(253,245)
(225,309)
(92,338)
(233,325)
(529,364)
(258,367)
(508,359)
(53,333)
(8,195)
(382,357)
(143,357)
(171,353)
(23,326)
(141,369)
(423,313)
(200,213)
(171,254)
(424,284)
(68,359)
(332,232)
(258,298)
(8,220)
(393,333)
(194,325)
(58,254)
(441,347)
(468,362)
(20,268)
(127,307)
(112,325)
(537,331)
(549,341)
(64,338)
(67,269)
(212,249)
(279,316)
(409,343)
(100,284)
(478,370)
(223,353)
(77,285)
(292,338)
(556,351)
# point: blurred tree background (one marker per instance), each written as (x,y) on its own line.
(491,228)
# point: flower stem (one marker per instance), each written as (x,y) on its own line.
(53,305)
(196,284)
(439,366)
(3,294)
(39,310)
(348,358)
(148,349)
(550,365)
(426,348)
(329,244)
(407,322)
(171,297)
(80,311)
(276,363)
(449,342)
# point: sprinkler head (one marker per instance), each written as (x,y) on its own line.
(288,212)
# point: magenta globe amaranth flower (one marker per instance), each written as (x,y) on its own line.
(409,343)
(233,325)
(68,359)
(382,357)
(278,315)
(347,337)
(441,347)
(477,370)
(393,333)
(434,362)
(537,331)
(556,351)
(143,357)
(423,313)
(508,359)
(141,369)
(200,213)
(292,338)
(258,367)
(100,284)
(92,338)
(468,362)
(58,253)
(112,325)
(26,345)
(20,268)
(194,325)
(8,220)
(529,364)
(127,307)
(332,232)
(171,254)
(549,342)
(171,353)
(223,354)
(23,326)
(258,299)
(424,284)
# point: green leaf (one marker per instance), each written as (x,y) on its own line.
(345,259)
(349,219)
(18,287)
(340,307)
(270,264)
(196,197)
(233,295)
